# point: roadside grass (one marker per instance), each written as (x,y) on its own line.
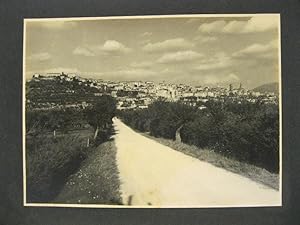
(250,171)
(96,181)
(50,160)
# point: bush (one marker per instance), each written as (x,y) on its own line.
(200,132)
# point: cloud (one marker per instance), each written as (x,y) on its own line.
(83,51)
(205,39)
(143,42)
(254,24)
(220,79)
(258,50)
(218,61)
(145,34)
(180,56)
(109,47)
(168,45)
(143,64)
(212,27)
(113,47)
(235,27)
(261,23)
(43,56)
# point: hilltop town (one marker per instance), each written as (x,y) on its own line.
(60,90)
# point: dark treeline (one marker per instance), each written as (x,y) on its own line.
(57,141)
(99,116)
(248,132)
(43,121)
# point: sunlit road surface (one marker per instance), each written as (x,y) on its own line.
(156,175)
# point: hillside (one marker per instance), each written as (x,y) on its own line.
(60,91)
(269,87)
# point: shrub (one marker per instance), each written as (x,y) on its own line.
(200,132)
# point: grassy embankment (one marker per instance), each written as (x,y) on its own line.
(51,161)
(96,181)
(247,170)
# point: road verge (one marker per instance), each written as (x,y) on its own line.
(97,180)
(250,171)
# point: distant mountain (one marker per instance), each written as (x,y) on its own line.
(269,87)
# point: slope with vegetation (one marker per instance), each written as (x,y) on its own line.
(59,140)
(96,181)
(269,87)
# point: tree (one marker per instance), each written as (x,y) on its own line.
(101,113)
(168,118)
(184,114)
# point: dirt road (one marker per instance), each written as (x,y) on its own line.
(154,174)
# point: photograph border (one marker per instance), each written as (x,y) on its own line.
(25,20)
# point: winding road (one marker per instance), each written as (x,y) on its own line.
(154,174)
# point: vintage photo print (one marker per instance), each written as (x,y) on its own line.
(152,111)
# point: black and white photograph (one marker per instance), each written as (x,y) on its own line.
(169,111)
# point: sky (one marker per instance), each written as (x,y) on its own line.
(197,50)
